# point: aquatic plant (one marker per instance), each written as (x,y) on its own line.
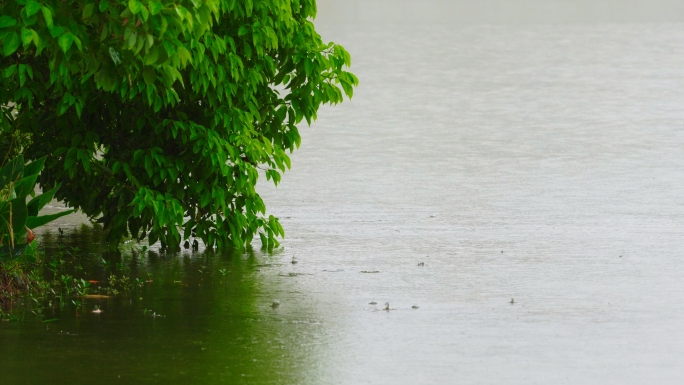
(18,217)
(159,115)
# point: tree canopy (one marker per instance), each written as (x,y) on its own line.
(156,116)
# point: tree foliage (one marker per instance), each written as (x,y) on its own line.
(156,116)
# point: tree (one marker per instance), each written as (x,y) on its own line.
(156,116)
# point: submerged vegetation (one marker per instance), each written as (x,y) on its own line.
(68,279)
(157,117)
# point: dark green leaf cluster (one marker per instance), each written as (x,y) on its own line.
(157,116)
(18,217)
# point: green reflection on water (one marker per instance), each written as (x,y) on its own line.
(196,318)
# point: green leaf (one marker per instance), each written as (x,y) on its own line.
(88,10)
(155,7)
(6,21)
(36,204)
(149,75)
(19,215)
(12,171)
(7,253)
(148,165)
(116,167)
(65,41)
(130,43)
(152,56)
(70,160)
(11,44)
(136,157)
(26,36)
(144,13)
(33,222)
(135,6)
(47,15)
(77,41)
(25,186)
(82,155)
(35,167)
(149,41)
(32,7)
(10,70)
(56,30)
(103,5)
(205,199)
(184,56)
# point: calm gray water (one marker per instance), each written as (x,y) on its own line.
(540,163)
(552,159)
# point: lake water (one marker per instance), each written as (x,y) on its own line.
(539,163)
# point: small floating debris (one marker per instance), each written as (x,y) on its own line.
(372,303)
(433,216)
(512,301)
(153,314)
(275,304)
(414,307)
(370,272)
(96,296)
(421,264)
(292,274)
